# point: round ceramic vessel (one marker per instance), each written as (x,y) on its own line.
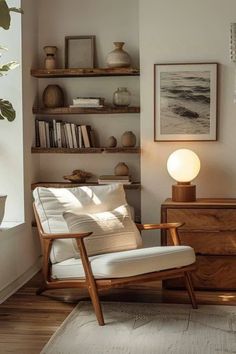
(128,139)
(118,58)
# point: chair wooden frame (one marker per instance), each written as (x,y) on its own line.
(95,285)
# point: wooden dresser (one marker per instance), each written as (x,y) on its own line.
(210,228)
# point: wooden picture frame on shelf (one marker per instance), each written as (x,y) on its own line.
(79,52)
(185,102)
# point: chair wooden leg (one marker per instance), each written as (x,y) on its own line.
(40,290)
(93,292)
(190,289)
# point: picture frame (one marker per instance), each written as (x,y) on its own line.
(185,102)
(79,52)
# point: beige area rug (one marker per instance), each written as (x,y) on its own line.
(139,328)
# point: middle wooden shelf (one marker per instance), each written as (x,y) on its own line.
(90,110)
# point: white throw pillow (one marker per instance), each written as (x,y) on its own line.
(113,230)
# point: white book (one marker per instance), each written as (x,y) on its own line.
(113,181)
(86,105)
(73,131)
(58,130)
(47,134)
(42,134)
(85,135)
(69,135)
(86,100)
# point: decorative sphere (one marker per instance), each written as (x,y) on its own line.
(183,165)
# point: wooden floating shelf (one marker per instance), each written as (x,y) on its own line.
(39,150)
(87,72)
(90,110)
(134,185)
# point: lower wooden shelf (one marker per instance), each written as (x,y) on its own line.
(92,150)
(133,185)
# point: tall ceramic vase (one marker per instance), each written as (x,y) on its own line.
(118,58)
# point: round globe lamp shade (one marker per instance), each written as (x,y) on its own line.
(183,166)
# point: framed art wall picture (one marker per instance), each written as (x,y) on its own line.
(79,52)
(185,102)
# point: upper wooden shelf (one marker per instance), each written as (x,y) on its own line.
(90,110)
(88,72)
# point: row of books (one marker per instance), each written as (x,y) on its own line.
(88,102)
(108,179)
(63,135)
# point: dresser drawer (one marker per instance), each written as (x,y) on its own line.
(204,219)
(213,272)
(209,242)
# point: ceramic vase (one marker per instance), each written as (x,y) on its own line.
(50,60)
(53,96)
(128,139)
(122,97)
(121,169)
(111,142)
(118,58)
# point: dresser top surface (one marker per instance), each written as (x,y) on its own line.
(203,202)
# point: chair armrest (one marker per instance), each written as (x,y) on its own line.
(172,227)
(65,236)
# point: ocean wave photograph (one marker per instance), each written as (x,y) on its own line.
(185,100)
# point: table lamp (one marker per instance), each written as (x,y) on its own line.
(183,165)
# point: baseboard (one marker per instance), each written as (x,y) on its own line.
(19,282)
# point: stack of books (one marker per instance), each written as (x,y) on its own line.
(108,179)
(63,135)
(88,102)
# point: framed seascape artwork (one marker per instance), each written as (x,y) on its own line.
(79,52)
(185,102)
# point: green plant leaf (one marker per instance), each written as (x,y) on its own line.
(6,110)
(15,9)
(5,18)
(6,67)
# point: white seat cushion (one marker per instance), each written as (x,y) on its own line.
(51,203)
(127,263)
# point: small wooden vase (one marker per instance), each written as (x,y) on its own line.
(128,139)
(53,96)
(121,169)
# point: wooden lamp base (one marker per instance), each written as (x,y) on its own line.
(183,192)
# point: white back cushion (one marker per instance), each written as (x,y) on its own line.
(51,203)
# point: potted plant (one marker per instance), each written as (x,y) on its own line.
(6,109)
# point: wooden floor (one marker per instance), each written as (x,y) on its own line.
(27,321)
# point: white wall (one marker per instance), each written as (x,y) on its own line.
(109,21)
(19,247)
(11,137)
(186,31)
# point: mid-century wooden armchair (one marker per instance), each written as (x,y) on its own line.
(85,217)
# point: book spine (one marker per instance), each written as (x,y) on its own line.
(37,141)
(47,134)
(73,131)
(85,136)
(69,135)
(58,129)
(54,132)
(42,134)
